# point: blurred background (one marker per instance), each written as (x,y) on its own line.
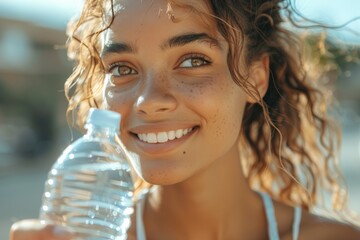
(34,67)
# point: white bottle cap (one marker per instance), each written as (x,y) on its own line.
(103,118)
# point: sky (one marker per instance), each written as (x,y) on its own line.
(335,13)
(48,13)
(56,13)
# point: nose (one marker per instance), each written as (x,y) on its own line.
(155,97)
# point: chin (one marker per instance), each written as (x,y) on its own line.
(162,177)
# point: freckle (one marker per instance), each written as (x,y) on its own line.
(184,152)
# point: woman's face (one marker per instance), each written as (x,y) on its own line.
(169,79)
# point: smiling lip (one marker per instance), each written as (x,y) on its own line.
(156,142)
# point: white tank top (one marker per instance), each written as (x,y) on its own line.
(269,210)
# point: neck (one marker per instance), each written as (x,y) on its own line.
(217,203)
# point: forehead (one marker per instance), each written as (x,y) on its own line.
(161,5)
(141,17)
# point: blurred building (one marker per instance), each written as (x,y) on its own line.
(33,128)
(33,69)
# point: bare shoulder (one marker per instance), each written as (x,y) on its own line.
(315,227)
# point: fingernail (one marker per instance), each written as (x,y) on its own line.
(60,231)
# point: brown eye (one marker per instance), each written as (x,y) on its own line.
(197,62)
(193,61)
(121,70)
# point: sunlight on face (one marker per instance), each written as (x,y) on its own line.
(169,79)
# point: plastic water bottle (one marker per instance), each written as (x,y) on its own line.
(89,188)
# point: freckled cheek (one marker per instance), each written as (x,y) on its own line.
(222,122)
(222,116)
(194,91)
(226,115)
(117,100)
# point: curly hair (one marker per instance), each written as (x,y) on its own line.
(289,144)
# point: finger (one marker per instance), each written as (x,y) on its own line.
(35,230)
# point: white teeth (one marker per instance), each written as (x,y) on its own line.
(171,135)
(162,137)
(179,133)
(151,138)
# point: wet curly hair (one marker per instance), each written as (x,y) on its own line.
(289,144)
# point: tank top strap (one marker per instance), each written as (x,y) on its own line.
(296,223)
(272,224)
(270,217)
(140,230)
(269,211)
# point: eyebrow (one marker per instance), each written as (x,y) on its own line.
(117,48)
(176,41)
(183,39)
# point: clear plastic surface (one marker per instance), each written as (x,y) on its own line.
(89,188)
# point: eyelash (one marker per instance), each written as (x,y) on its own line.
(195,56)
(118,65)
(192,56)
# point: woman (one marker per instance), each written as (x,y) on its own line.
(219,114)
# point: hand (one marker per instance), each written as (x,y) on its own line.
(33,229)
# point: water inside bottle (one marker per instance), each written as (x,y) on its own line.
(94,200)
